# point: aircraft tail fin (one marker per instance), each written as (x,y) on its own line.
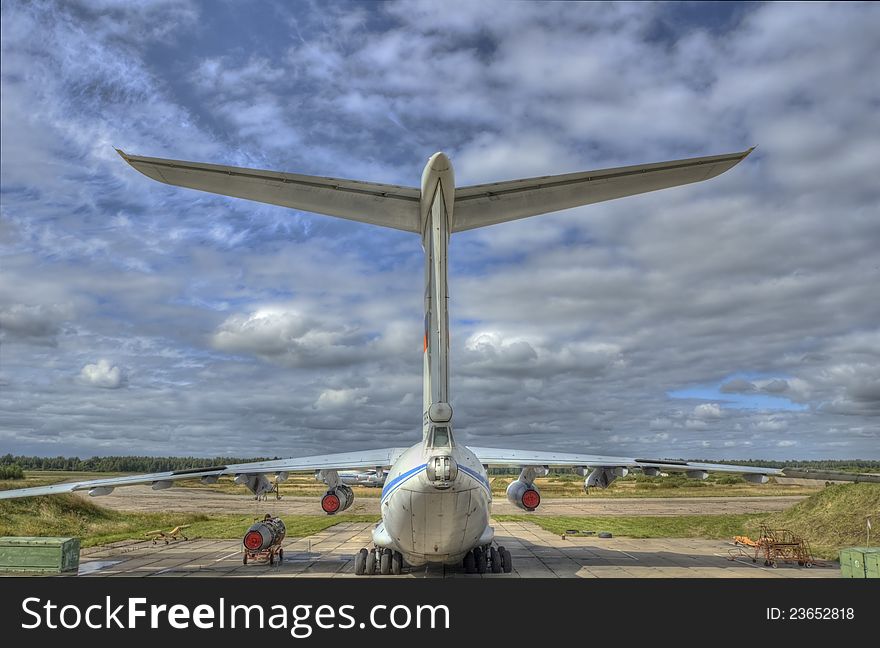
(499,202)
(366,202)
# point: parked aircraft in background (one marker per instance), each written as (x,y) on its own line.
(371,478)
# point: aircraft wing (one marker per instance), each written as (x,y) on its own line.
(499,202)
(505,457)
(366,202)
(253,475)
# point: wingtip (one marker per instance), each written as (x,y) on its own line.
(122,153)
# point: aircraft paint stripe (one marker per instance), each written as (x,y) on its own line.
(478,477)
(397,487)
(398,481)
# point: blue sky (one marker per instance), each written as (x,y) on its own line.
(732,319)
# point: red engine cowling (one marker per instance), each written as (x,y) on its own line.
(337,499)
(525,496)
(264,534)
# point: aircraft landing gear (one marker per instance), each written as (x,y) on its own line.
(360,562)
(378,561)
(495,560)
(479,560)
(506,560)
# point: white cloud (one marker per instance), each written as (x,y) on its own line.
(331,399)
(291,338)
(708,411)
(102,375)
(771,425)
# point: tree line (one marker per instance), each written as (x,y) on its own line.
(11,471)
(118,463)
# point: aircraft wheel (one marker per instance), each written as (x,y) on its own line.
(470,565)
(280,556)
(480,559)
(396,563)
(385,563)
(360,562)
(371,563)
(244,560)
(271,559)
(506,560)
(495,560)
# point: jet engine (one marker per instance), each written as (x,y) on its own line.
(524,495)
(264,534)
(337,499)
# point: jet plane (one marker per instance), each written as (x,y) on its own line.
(435,500)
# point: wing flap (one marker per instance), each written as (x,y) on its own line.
(366,202)
(498,202)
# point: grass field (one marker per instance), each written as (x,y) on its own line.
(831,519)
(34,478)
(69,515)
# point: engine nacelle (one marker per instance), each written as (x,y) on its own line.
(525,496)
(337,499)
(262,535)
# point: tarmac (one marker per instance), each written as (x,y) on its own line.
(536,554)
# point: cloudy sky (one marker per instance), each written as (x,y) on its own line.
(732,319)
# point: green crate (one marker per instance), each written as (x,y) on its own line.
(50,555)
(872,564)
(860,562)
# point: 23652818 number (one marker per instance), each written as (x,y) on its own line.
(820,614)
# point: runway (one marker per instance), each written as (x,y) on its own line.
(536,554)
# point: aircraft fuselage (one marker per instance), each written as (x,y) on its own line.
(435,502)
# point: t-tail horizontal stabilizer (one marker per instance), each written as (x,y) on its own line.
(397,207)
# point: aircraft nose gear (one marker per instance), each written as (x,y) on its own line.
(479,560)
(378,561)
